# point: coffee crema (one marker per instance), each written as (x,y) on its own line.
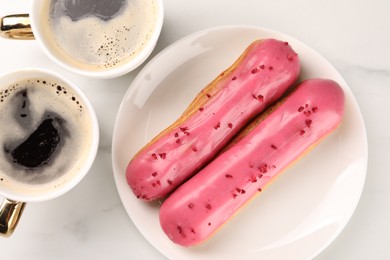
(99,34)
(46,131)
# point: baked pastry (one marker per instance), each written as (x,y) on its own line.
(261,75)
(192,213)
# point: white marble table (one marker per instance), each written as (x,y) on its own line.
(90,222)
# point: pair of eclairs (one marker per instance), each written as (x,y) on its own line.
(240,132)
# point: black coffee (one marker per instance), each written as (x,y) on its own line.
(40,147)
(99,34)
(44,131)
(79,9)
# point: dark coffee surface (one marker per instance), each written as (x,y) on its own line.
(99,35)
(103,9)
(21,107)
(44,131)
(40,147)
(40,144)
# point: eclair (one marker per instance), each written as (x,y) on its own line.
(193,212)
(260,76)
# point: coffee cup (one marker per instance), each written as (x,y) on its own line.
(48,142)
(93,38)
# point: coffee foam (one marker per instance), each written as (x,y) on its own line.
(95,44)
(44,96)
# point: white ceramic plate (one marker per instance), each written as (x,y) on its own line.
(297,216)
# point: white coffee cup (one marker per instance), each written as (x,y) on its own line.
(19,27)
(18,192)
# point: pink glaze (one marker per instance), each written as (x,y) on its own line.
(206,201)
(267,70)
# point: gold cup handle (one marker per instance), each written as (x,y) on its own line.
(16,27)
(10,212)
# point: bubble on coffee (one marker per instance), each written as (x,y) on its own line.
(100,34)
(45,131)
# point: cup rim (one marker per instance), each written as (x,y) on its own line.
(98,74)
(26,73)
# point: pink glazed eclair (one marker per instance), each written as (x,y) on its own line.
(260,76)
(192,213)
